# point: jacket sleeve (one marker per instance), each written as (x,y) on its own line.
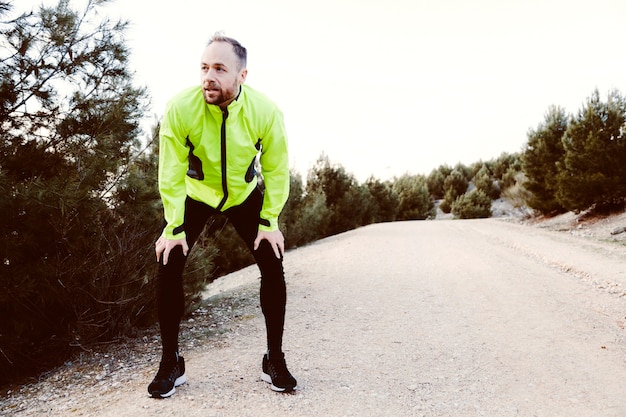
(275,169)
(173,154)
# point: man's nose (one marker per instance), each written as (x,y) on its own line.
(208,75)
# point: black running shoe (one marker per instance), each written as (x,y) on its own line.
(171,374)
(275,372)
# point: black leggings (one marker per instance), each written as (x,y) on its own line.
(170,295)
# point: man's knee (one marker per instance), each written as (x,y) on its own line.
(268,263)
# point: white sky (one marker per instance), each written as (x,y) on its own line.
(390,87)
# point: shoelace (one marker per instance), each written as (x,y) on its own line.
(278,368)
(167,370)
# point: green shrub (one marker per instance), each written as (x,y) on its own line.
(445,206)
(435,182)
(414,199)
(517,194)
(473,205)
(454,185)
(484,181)
(384,200)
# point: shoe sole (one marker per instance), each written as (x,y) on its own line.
(267,378)
(179,381)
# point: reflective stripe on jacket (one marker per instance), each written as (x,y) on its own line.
(207,154)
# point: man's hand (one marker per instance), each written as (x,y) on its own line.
(276,240)
(165,246)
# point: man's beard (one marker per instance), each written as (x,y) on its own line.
(223,95)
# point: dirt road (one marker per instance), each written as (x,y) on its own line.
(439,318)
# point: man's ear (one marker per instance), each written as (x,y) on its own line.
(243,75)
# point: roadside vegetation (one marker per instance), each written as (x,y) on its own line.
(81,211)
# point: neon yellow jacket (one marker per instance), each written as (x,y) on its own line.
(208,155)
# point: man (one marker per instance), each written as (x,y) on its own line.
(210,138)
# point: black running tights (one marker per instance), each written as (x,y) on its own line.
(273,296)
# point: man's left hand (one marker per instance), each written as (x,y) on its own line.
(276,240)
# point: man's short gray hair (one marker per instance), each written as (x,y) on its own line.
(240,51)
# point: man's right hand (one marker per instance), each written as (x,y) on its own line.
(164,247)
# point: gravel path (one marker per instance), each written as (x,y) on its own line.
(439,318)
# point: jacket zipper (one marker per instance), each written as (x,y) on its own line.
(223,140)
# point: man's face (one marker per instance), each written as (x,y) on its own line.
(220,74)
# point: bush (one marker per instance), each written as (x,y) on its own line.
(473,205)
(435,181)
(454,185)
(305,217)
(504,163)
(483,180)
(384,200)
(445,206)
(414,199)
(517,194)
(313,220)
(509,178)
(349,204)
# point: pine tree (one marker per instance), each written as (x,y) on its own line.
(342,194)
(593,171)
(541,158)
(69,128)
